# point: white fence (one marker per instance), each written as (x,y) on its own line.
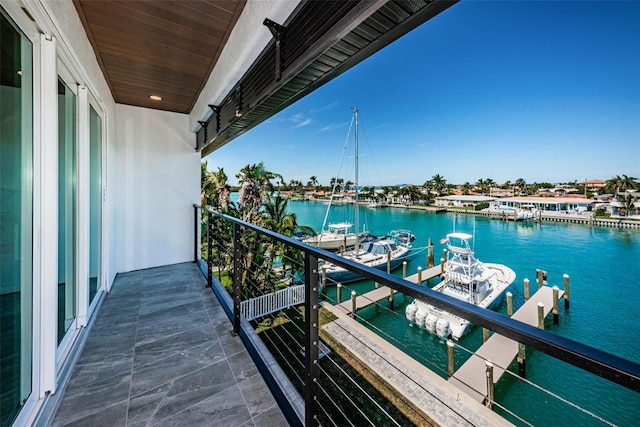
(270,303)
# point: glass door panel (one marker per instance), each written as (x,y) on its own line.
(66,208)
(95,202)
(16,218)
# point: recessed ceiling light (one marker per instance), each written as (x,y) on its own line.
(155,97)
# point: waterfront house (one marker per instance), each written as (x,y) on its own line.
(462,200)
(549,204)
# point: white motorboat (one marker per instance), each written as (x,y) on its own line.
(467,279)
(389,250)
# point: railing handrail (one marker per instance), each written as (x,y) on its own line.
(606,365)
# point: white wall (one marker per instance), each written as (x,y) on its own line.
(156,181)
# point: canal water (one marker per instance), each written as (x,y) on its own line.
(604,269)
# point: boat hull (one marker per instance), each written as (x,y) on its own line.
(444,324)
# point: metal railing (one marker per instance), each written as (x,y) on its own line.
(232,246)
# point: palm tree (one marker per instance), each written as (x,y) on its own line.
(313,182)
(619,184)
(466,188)
(439,183)
(276,218)
(481,185)
(256,184)
(521,184)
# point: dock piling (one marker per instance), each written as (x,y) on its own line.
(540,315)
(391,299)
(339,292)
(509,304)
(419,275)
(485,335)
(404,269)
(441,265)
(522,365)
(566,291)
(353,304)
(450,359)
(527,293)
(490,390)
(556,317)
(430,254)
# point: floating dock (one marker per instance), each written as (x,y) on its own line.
(499,350)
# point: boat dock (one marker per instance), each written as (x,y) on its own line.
(383,292)
(499,350)
(434,400)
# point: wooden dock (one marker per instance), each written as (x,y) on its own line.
(378,294)
(499,350)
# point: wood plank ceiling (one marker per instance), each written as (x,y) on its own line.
(165,48)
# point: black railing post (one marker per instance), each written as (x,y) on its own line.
(209,250)
(196,224)
(237,277)
(312,340)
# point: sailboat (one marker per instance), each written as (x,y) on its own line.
(382,252)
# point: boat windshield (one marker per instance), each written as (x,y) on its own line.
(340,228)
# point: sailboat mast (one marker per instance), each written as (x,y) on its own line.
(355,111)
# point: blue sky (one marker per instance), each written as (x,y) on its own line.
(540,90)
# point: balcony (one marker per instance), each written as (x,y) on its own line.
(171,345)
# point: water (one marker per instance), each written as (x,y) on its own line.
(604,269)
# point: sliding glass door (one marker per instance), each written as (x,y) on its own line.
(16,218)
(95,202)
(67,212)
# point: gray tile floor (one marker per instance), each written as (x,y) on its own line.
(160,354)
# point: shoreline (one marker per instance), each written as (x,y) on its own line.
(549,216)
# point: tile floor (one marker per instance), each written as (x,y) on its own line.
(160,354)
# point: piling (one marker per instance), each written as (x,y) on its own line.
(450,359)
(376,285)
(353,304)
(522,365)
(404,269)
(556,318)
(339,292)
(485,335)
(527,294)
(566,291)
(430,254)
(391,299)
(490,391)
(441,265)
(419,275)
(509,304)
(388,261)
(540,275)
(540,315)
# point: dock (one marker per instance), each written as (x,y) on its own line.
(436,401)
(383,292)
(499,350)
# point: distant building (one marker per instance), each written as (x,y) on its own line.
(462,200)
(594,184)
(553,204)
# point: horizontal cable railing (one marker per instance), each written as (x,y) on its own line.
(256,264)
